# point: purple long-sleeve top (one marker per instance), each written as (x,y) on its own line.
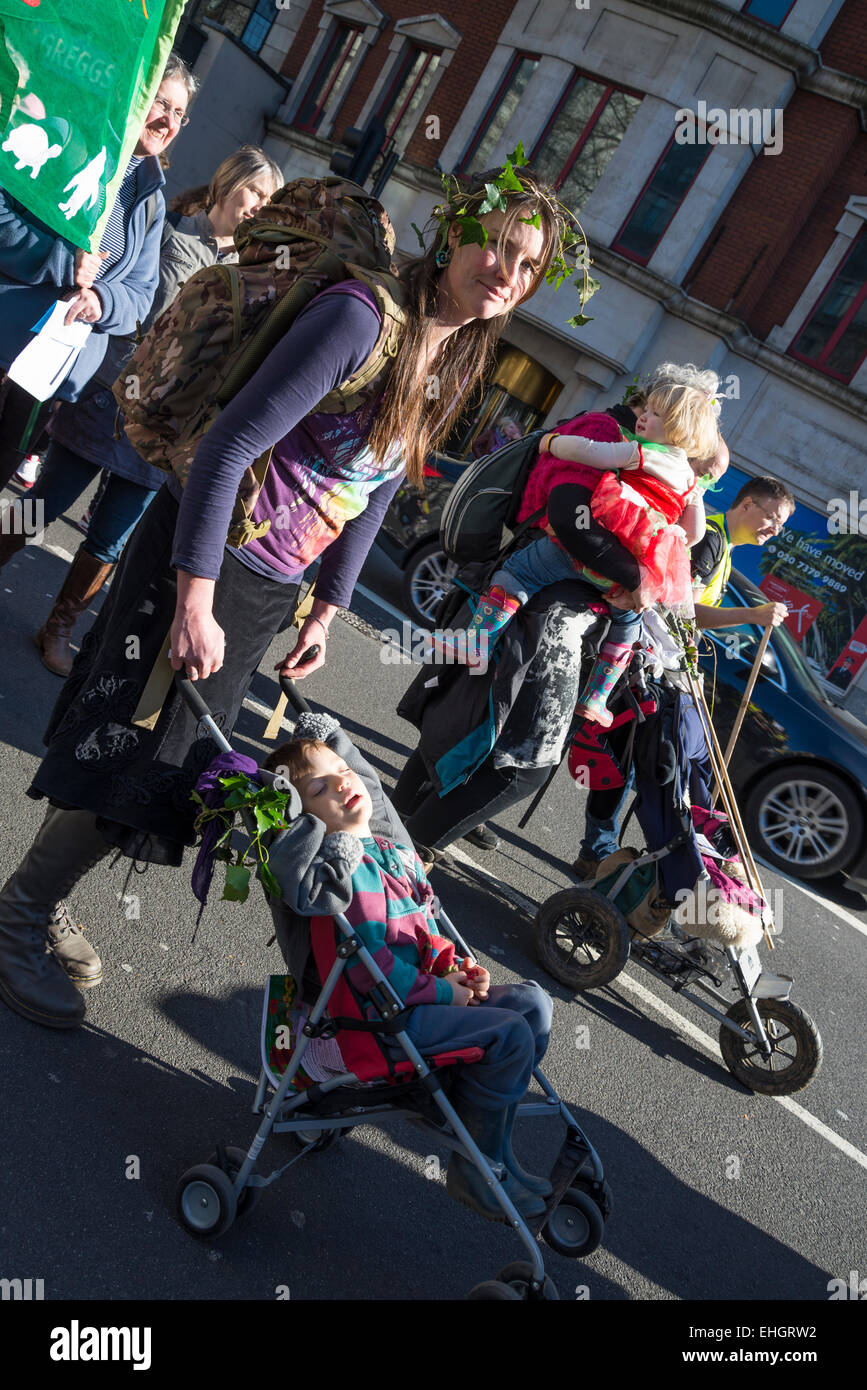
(324,493)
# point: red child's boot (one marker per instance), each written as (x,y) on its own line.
(611,661)
(496,608)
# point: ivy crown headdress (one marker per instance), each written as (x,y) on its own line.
(572,241)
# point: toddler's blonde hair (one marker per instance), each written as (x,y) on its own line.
(688,417)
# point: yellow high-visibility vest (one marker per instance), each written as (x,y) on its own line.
(715,587)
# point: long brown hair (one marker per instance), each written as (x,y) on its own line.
(421,402)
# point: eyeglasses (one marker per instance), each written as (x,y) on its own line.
(169,110)
(774,520)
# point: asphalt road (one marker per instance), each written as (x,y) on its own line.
(719,1194)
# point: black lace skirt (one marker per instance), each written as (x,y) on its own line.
(138,781)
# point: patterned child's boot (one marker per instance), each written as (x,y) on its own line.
(496,608)
(609,664)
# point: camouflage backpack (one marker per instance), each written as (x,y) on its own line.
(226,319)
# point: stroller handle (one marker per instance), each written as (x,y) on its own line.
(199,708)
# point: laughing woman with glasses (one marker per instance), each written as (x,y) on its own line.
(112,288)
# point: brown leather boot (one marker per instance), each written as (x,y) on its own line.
(83,582)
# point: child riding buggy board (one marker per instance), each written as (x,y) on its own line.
(326,1063)
(696,872)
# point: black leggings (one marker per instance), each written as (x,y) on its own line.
(439,820)
(16,408)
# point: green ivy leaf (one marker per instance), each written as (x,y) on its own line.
(517,156)
(509,181)
(237,887)
(419,235)
(534,221)
(269,882)
(578,320)
(472,232)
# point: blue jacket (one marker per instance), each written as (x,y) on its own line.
(37,266)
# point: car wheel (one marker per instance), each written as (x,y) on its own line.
(426,579)
(805,820)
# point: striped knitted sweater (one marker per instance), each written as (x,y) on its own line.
(391,911)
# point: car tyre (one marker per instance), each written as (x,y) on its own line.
(837,817)
(426,579)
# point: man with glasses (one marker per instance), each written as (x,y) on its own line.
(759,511)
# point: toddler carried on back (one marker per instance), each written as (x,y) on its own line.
(624,490)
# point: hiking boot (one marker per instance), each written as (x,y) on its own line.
(76,955)
(483,838)
(585,866)
(33,982)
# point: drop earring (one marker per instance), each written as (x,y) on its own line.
(442,258)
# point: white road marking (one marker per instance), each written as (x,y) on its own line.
(838,911)
(650,1000)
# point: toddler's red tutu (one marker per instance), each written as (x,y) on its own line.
(659,546)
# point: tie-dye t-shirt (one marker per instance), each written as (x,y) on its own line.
(323,485)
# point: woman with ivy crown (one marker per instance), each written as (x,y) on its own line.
(112,784)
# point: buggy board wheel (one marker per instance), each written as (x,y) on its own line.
(602,1196)
(492,1291)
(205,1201)
(574,1228)
(234,1158)
(796,1044)
(519,1273)
(582,939)
(319,1139)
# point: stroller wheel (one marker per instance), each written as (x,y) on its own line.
(519,1273)
(796,1045)
(582,939)
(205,1201)
(574,1228)
(492,1290)
(233,1159)
(602,1196)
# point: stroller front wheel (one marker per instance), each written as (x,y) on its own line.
(796,1047)
(582,939)
(205,1201)
(575,1226)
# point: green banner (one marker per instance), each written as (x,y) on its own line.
(77,78)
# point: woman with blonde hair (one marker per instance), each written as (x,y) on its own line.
(86,436)
(113,783)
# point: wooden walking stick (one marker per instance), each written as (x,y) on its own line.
(729,802)
(745,699)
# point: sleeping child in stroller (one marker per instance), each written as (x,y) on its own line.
(359,861)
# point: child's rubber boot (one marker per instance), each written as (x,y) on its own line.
(540,1187)
(607,668)
(496,608)
(464,1182)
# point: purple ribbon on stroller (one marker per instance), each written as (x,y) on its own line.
(214,794)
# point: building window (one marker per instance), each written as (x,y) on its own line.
(327,86)
(772,12)
(259,25)
(599,114)
(659,200)
(234,15)
(407,93)
(499,112)
(834,338)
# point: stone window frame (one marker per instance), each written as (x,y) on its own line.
(851,225)
(431,32)
(362,15)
